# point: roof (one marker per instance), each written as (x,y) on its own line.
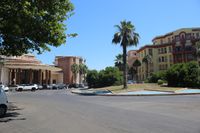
(30,66)
(171,33)
(27,61)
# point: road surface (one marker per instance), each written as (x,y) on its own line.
(59,111)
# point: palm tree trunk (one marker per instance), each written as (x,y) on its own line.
(147,71)
(124,67)
(136,74)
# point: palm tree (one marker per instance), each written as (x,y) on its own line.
(75,70)
(136,64)
(119,61)
(147,60)
(126,36)
(83,70)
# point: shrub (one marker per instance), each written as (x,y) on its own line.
(107,77)
(183,74)
(156,76)
(160,82)
(92,78)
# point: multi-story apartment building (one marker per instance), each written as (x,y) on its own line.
(174,47)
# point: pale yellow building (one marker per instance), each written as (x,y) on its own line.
(168,49)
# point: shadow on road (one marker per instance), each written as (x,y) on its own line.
(12,114)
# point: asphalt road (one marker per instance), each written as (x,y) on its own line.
(63,112)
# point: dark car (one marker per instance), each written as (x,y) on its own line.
(73,86)
(62,86)
(46,86)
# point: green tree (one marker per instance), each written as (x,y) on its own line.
(83,70)
(119,62)
(126,36)
(110,76)
(92,78)
(33,25)
(135,65)
(156,76)
(75,70)
(147,60)
(183,74)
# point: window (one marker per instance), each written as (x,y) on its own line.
(170,58)
(151,52)
(165,50)
(188,36)
(161,41)
(169,40)
(161,50)
(159,59)
(178,48)
(163,59)
(170,49)
(197,35)
(158,51)
(177,38)
(188,48)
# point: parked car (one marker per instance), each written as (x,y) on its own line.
(4,87)
(83,87)
(131,82)
(40,87)
(3,103)
(73,86)
(54,86)
(24,87)
(62,86)
(46,86)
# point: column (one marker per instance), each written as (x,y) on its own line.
(49,77)
(31,76)
(40,76)
(15,75)
(10,76)
(46,77)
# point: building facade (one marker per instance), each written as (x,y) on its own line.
(27,69)
(174,47)
(65,62)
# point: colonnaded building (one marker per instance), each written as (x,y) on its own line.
(26,69)
(174,47)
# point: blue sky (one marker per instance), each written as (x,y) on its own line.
(94,22)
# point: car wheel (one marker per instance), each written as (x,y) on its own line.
(20,89)
(3,110)
(33,89)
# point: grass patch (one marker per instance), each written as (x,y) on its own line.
(137,87)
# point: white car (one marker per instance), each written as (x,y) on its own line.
(25,87)
(4,87)
(3,103)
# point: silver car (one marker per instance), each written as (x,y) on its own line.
(3,103)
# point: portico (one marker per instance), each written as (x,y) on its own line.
(28,70)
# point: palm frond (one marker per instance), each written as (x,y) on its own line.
(117,38)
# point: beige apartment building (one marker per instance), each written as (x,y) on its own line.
(168,49)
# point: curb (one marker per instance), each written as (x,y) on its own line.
(149,94)
(175,94)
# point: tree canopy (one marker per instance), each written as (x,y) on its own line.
(32,25)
